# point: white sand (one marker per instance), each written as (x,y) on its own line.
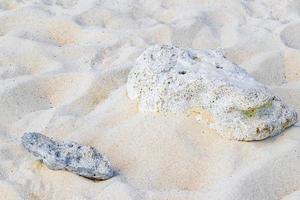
(63,69)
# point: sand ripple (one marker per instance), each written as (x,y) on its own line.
(63,69)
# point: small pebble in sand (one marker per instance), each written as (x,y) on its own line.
(58,155)
(210,87)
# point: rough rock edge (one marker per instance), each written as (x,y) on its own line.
(58,155)
(203,82)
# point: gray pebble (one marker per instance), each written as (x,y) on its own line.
(58,155)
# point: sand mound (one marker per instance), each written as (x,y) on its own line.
(41,94)
(289,36)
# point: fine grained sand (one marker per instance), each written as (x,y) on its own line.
(63,70)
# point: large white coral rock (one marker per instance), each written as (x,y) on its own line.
(205,83)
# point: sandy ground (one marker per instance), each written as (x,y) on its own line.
(63,69)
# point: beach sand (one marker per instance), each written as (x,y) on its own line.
(63,72)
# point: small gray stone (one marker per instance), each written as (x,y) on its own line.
(212,88)
(57,155)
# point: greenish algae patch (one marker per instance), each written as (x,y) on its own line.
(253,111)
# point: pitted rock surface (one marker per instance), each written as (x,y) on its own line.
(204,82)
(58,155)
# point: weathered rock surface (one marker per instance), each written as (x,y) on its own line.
(57,155)
(206,84)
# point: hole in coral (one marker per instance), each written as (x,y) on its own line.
(182,72)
